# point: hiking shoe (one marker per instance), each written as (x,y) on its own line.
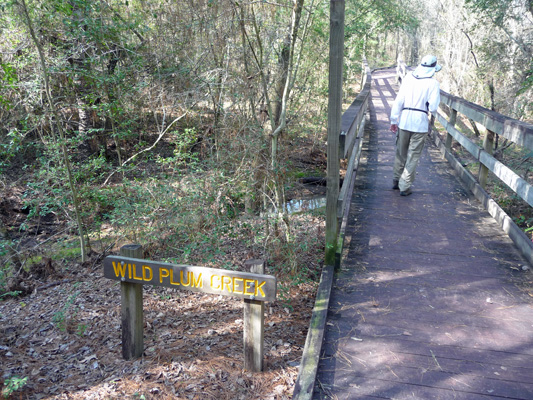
(395,184)
(406,192)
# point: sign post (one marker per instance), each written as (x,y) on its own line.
(254,321)
(131,299)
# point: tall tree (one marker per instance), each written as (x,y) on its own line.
(25,13)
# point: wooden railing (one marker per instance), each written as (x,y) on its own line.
(350,145)
(515,131)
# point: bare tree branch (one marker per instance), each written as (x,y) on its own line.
(145,150)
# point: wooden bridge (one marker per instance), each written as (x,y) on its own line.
(427,300)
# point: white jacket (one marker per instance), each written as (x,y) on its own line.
(415,98)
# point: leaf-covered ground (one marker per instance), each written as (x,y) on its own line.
(60,337)
(65,338)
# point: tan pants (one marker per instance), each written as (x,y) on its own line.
(409,146)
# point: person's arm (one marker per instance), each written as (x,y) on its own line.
(434,98)
(395,113)
(397,107)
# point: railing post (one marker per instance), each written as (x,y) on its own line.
(336,61)
(488,145)
(453,119)
(254,322)
(131,298)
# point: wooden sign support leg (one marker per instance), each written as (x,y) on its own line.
(254,325)
(131,295)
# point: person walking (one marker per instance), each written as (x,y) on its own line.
(418,95)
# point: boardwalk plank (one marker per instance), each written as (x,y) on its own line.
(431,362)
(512,323)
(462,389)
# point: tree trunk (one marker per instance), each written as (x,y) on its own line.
(79,60)
(55,113)
(279,125)
(283,65)
(414,48)
(286,78)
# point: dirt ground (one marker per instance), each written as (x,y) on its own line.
(65,338)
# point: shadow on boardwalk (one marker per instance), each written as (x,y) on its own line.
(426,304)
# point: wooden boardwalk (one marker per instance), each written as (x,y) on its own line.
(427,303)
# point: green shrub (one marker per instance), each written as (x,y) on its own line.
(12,384)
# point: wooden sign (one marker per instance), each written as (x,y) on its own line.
(197,279)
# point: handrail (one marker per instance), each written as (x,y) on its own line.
(352,117)
(500,170)
(514,130)
(351,139)
(517,132)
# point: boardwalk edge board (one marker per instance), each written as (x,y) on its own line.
(305,382)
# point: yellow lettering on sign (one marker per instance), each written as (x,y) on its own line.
(249,284)
(245,285)
(226,282)
(150,273)
(188,279)
(258,288)
(137,278)
(120,269)
(172,278)
(163,273)
(235,285)
(217,287)
(197,282)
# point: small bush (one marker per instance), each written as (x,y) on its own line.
(13,384)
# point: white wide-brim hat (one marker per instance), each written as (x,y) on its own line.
(427,68)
